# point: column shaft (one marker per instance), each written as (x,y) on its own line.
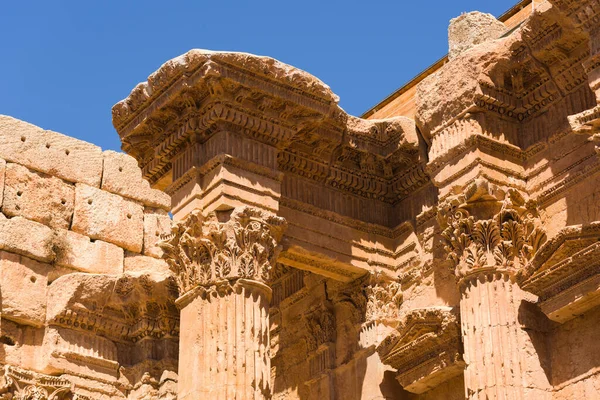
(225,340)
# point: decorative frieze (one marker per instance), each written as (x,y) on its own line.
(17,383)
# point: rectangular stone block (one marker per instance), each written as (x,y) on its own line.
(2,173)
(38,197)
(23,289)
(121,175)
(76,251)
(138,263)
(28,238)
(156,223)
(108,217)
(50,152)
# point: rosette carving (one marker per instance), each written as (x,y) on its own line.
(508,240)
(203,250)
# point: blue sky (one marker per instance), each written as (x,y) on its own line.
(65,63)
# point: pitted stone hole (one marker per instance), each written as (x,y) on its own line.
(19,193)
(157,233)
(7,340)
(90,201)
(47,145)
(17,207)
(224,215)
(63,201)
(92,240)
(128,216)
(22,138)
(120,169)
(67,152)
(33,279)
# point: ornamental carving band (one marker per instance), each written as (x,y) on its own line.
(508,240)
(203,250)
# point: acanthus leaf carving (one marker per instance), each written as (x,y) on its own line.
(384,298)
(201,250)
(484,229)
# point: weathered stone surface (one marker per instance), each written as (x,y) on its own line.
(2,174)
(38,197)
(50,152)
(23,283)
(138,263)
(463,252)
(106,216)
(121,175)
(471,29)
(31,239)
(156,223)
(78,252)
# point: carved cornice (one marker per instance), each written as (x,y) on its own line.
(17,383)
(425,349)
(225,245)
(202,93)
(487,227)
(532,72)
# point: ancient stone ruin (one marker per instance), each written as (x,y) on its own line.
(444,246)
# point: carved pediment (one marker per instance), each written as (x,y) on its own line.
(425,349)
(566,273)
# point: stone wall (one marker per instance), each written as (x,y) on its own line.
(79,267)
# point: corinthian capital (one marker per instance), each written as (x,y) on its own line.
(222,246)
(487,228)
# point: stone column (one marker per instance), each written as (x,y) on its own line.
(222,264)
(491,235)
(492,336)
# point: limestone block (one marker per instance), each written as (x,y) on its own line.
(37,196)
(471,29)
(122,176)
(2,173)
(138,263)
(94,256)
(50,152)
(31,239)
(24,283)
(156,223)
(106,216)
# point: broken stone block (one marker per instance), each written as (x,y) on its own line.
(471,29)
(28,238)
(156,223)
(79,252)
(106,216)
(123,176)
(24,283)
(38,197)
(50,152)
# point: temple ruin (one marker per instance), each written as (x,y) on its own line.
(258,242)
